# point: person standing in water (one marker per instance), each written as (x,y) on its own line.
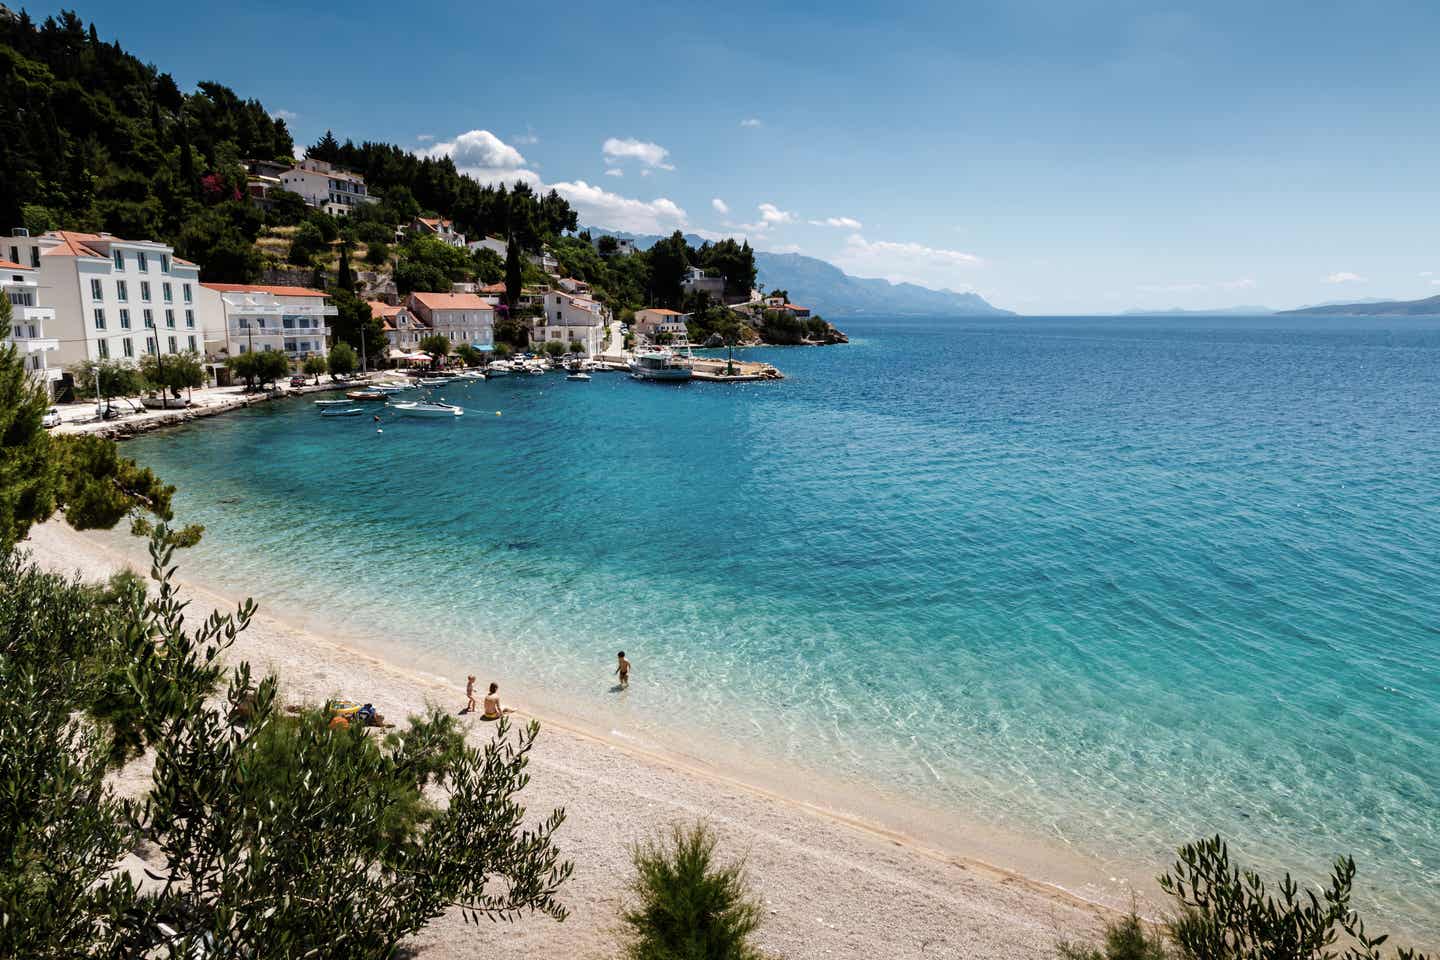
(469,694)
(622,669)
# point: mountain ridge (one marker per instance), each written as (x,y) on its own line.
(1426,307)
(830,291)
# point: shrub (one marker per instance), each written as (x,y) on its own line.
(687,906)
(377,253)
(1125,939)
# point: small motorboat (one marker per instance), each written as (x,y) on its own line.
(389,389)
(470,375)
(534,369)
(434,381)
(364,396)
(425,409)
(322,404)
(341,411)
(499,368)
(577,375)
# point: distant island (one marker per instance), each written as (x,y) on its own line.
(1428,307)
(1241,311)
(825,288)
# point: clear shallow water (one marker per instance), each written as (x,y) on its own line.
(1123,582)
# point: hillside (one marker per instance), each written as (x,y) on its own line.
(830,291)
(1429,307)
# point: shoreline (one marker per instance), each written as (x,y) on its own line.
(830,879)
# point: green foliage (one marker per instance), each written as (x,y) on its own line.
(783,327)
(733,261)
(354,321)
(576,346)
(1125,939)
(668,260)
(1230,914)
(511,332)
(173,372)
(287,208)
(502,350)
(437,345)
(553,348)
(27,466)
(377,253)
(342,360)
(315,365)
(686,906)
(259,367)
(306,244)
(101,379)
(469,356)
(275,836)
(222,240)
(514,273)
(429,263)
(489,266)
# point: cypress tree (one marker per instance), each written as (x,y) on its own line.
(514,274)
(345,281)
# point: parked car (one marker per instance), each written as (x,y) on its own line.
(51,418)
(297,381)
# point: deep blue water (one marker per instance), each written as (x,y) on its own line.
(1121,581)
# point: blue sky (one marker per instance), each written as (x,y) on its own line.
(1053,157)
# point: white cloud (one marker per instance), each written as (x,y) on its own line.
(605,209)
(848,222)
(485,157)
(1427,273)
(769,213)
(614,172)
(784,248)
(721,207)
(906,262)
(750,122)
(1344,276)
(286,115)
(649,154)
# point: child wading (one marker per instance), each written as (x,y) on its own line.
(622,669)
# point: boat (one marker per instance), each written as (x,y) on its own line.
(389,389)
(322,404)
(364,395)
(577,375)
(470,375)
(534,369)
(660,365)
(434,381)
(425,409)
(500,368)
(341,411)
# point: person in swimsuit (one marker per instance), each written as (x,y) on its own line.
(493,710)
(622,669)
(469,694)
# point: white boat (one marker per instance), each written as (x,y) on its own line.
(341,411)
(434,381)
(430,410)
(470,375)
(500,368)
(322,404)
(577,376)
(660,365)
(388,389)
(534,369)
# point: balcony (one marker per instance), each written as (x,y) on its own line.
(36,344)
(238,332)
(34,314)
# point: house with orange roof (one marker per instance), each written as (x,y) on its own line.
(113,298)
(403,330)
(27,326)
(654,321)
(461,317)
(245,317)
(571,318)
(440,229)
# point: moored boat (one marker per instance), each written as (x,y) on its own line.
(470,375)
(577,375)
(322,404)
(389,389)
(660,365)
(500,368)
(365,395)
(434,381)
(341,411)
(428,410)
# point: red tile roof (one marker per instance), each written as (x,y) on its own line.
(382,309)
(7,265)
(72,244)
(254,288)
(662,311)
(493,288)
(450,301)
(795,306)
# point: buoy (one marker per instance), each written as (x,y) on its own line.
(497,413)
(379,430)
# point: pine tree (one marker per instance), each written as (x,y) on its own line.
(514,274)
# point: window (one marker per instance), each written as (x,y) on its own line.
(129,346)
(164,263)
(189,318)
(169,295)
(244,323)
(142,262)
(121,293)
(99,318)
(14,254)
(145,290)
(243,348)
(34,331)
(149,344)
(172,344)
(119,256)
(103,349)
(170,318)
(124,319)
(288,323)
(34,258)
(17,332)
(191,338)
(290,345)
(96,292)
(185,289)
(149,318)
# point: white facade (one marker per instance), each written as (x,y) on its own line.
(655,321)
(27,327)
(403,330)
(244,318)
(696,282)
(570,318)
(443,230)
(113,299)
(461,317)
(489,243)
(321,185)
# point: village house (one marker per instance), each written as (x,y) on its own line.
(403,330)
(494,244)
(440,229)
(27,326)
(654,321)
(696,282)
(112,298)
(569,319)
(571,285)
(461,317)
(243,318)
(329,188)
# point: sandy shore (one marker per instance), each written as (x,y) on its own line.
(833,886)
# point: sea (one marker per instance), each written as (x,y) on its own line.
(1111,583)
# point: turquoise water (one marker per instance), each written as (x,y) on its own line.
(1123,582)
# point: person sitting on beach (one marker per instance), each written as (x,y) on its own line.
(493,710)
(622,669)
(469,694)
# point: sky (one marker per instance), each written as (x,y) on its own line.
(1054,157)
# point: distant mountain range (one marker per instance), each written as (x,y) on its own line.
(831,292)
(1242,311)
(1429,307)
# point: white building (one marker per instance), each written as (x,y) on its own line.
(461,317)
(242,317)
(623,247)
(570,318)
(656,320)
(696,282)
(113,299)
(443,230)
(545,260)
(403,330)
(333,190)
(489,243)
(27,326)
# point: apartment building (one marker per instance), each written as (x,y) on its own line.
(242,318)
(27,325)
